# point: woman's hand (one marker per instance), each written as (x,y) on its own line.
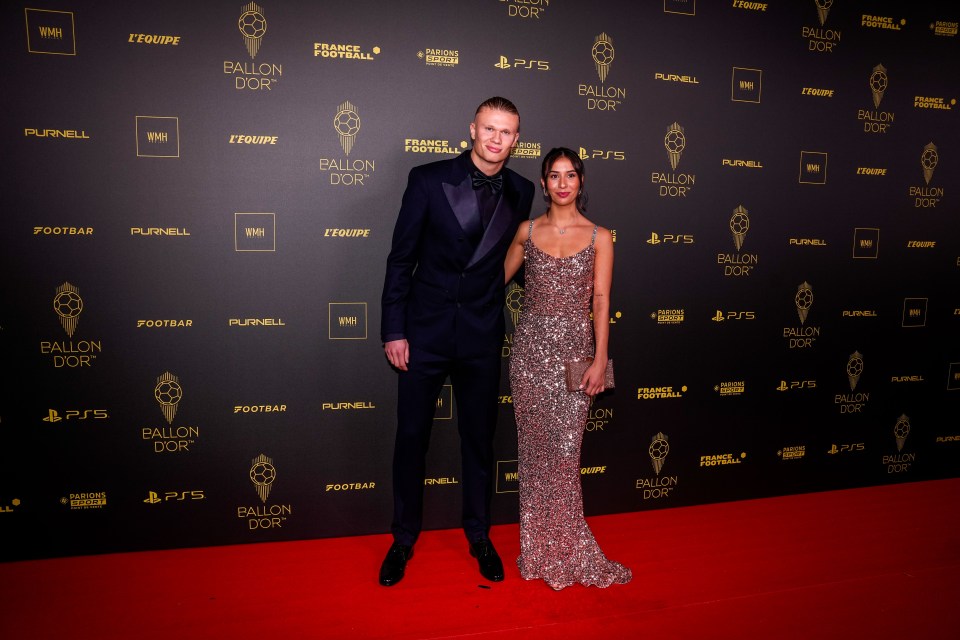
(594,377)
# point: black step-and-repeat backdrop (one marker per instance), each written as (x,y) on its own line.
(198,199)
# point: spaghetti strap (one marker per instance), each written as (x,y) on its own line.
(530,231)
(593,239)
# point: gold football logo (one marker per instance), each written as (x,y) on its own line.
(658,450)
(602,53)
(901,430)
(674,142)
(515,302)
(854,369)
(262,475)
(252,26)
(878,84)
(68,304)
(347,124)
(823,8)
(928,160)
(739,225)
(168,393)
(804,300)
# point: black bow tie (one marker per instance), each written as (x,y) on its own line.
(481,180)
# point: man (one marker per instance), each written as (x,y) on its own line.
(442,311)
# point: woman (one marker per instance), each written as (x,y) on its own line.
(569,268)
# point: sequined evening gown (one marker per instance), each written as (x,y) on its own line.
(556,544)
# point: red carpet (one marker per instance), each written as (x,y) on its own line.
(880,562)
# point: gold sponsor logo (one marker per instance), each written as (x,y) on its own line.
(158,231)
(817,92)
(351,486)
(795,385)
(148,38)
(63,231)
(668,316)
(749,6)
(673,77)
(871,171)
(601,154)
(346,233)
(659,393)
(241,138)
(260,408)
(427,145)
(741,164)
(723,316)
(921,244)
(669,238)
(53,416)
(807,242)
(925,102)
(722,459)
(792,453)
(69,134)
(439,57)
(732,388)
(853,447)
(944,28)
(346,406)
(93,500)
(821,39)
(154,497)
(881,22)
(164,324)
(591,471)
(907,379)
(525,150)
(859,313)
(343,51)
(948,438)
(430,482)
(522,63)
(256,322)
(813,167)
(50,32)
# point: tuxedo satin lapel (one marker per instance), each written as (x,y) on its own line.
(463,201)
(499,224)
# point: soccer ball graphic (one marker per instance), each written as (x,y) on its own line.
(168,392)
(902,428)
(674,141)
(804,297)
(929,159)
(347,122)
(855,366)
(67,304)
(263,474)
(602,52)
(659,449)
(252,24)
(739,222)
(878,81)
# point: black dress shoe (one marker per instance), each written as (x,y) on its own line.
(391,571)
(491,567)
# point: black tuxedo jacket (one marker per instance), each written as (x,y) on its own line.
(443,289)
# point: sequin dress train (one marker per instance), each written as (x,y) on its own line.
(556,544)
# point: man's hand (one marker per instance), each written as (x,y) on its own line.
(398,353)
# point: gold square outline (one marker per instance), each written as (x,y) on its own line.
(273,218)
(73,31)
(874,257)
(825,158)
(330,319)
(926,306)
(680,13)
(137,134)
(733,79)
(517,490)
(950,370)
(442,389)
